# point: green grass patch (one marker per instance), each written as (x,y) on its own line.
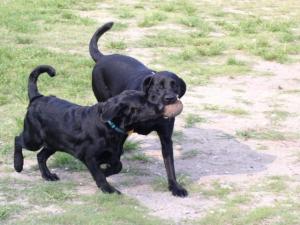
(211,107)
(277,115)
(276,184)
(139,157)
(118,45)
(192,119)
(203,28)
(292,91)
(161,184)
(8,210)
(234,61)
(152,19)
(50,192)
(95,209)
(30,16)
(217,190)
(119,26)
(266,134)
(171,38)
(273,184)
(131,145)
(178,136)
(66,161)
(189,154)
(125,12)
(227,110)
(234,111)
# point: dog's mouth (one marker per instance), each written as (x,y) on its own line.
(173,110)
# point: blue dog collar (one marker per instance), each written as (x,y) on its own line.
(114,126)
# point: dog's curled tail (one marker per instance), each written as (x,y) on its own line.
(32,87)
(93,47)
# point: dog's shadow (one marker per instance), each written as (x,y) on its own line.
(205,152)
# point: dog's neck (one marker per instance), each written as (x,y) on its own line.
(119,129)
(117,125)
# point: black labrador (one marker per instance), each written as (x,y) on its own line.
(115,73)
(92,134)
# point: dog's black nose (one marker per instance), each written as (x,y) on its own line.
(169,99)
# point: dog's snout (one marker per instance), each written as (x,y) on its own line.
(169,99)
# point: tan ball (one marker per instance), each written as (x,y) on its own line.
(173,110)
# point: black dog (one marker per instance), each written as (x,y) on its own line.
(115,73)
(94,134)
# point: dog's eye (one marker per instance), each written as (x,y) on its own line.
(153,97)
(173,85)
(161,84)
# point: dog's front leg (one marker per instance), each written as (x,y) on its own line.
(165,135)
(112,169)
(99,177)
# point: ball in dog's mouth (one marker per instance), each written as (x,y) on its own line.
(173,110)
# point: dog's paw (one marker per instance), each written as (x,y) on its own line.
(179,191)
(51,177)
(110,189)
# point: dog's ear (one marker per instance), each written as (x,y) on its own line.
(147,82)
(109,111)
(182,86)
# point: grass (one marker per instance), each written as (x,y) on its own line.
(141,157)
(203,27)
(7,210)
(211,107)
(216,189)
(119,26)
(266,134)
(277,116)
(125,12)
(98,208)
(161,184)
(178,136)
(245,208)
(277,184)
(192,119)
(227,110)
(50,192)
(190,154)
(234,61)
(116,45)
(131,145)
(152,19)
(234,111)
(65,161)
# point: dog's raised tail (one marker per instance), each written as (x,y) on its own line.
(33,77)
(93,47)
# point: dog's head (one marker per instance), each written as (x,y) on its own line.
(163,88)
(128,108)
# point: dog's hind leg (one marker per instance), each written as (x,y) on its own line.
(42,158)
(29,139)
(18,155)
